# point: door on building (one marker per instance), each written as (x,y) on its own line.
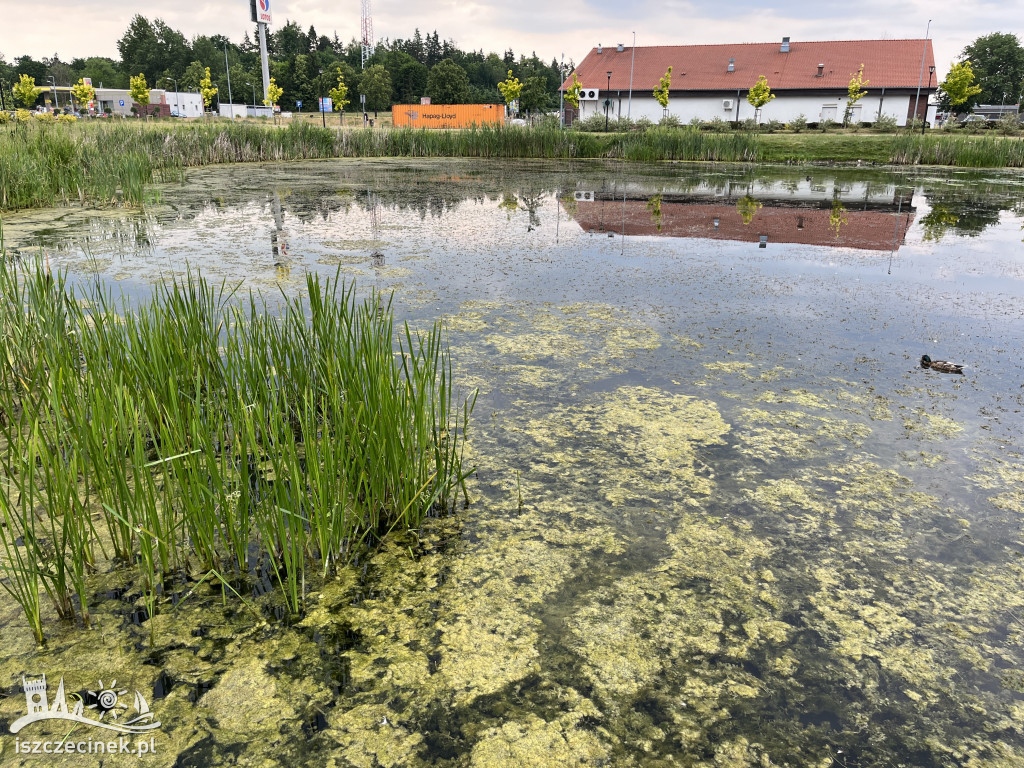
(829,112)
(855,114)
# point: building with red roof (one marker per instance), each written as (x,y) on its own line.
(807,78)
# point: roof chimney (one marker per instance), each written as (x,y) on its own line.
(821,70)
(598,47)
(732,65)
(619,48)
(785,45)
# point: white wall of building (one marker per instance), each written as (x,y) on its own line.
(233,110)
(782,108)
(186,104)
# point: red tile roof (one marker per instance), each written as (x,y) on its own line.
(872,230)
(887,64)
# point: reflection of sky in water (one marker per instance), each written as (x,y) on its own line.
(673,409)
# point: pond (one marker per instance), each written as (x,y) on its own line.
(722,515)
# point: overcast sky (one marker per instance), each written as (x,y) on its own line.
(550,29)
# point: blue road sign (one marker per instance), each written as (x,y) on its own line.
(121,102)
(298,105)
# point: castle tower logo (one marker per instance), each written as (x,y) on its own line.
(106,703)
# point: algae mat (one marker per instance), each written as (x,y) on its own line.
(722,517)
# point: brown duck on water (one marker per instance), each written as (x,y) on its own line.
(943,366)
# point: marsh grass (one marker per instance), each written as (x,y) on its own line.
(201,433)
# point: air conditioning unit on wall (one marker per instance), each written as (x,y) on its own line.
(726,103)
(584,197)
(589,94)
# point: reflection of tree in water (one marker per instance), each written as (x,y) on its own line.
(654,206)
(965,218)
(747,206)
(837,217)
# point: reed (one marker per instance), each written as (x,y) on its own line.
(214,432)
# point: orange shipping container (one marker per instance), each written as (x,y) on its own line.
(446,115)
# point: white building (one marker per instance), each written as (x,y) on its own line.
(807,78)
(186,104)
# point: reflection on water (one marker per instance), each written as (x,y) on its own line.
(722,517)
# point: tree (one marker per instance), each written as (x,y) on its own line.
(448,83)
(375,85)
(661,92)
(207,88)
(998,63)
(510,89)
(339,93)
(854,93)
(759,95)
(535,95)
(138,47)
(139,90)
(274,92)
(957,93)
(83,94)
(572,93)
(26,92)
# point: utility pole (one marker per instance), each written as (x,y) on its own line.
(920,79)
(228,71)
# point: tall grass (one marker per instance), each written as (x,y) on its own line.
(962,151)
(197,433)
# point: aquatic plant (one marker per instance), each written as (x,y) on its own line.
(204,432)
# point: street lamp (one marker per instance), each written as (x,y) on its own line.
(177,106)
(320,92)
(253,97)
(608,101)
(927,98)
(53,84)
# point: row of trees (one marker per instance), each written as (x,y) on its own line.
(305,65)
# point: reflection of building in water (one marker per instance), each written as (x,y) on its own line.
(278,239)
(854,223)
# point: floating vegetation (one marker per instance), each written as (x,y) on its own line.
(175,436)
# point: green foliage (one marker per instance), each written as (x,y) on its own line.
(958,91)
(885,124)
(83,93)
(274,92)
(207,88)
(759,93)
(448,83)
(798,123)
(534,95)
(1009,125)
(661,92)
(998,63)
(854,93)
(339,93)
(510,88)
(25,91)
(572,93)
(139,90)
(375,84)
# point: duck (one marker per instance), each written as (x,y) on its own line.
(943,366)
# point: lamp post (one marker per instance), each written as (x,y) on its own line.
(608,101)
(927,98)
(253,97)
(53,85)
(320,92)
(177,105)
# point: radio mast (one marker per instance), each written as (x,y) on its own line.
(367,40)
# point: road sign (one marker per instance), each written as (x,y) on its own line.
(298,105)
(87,81)
(325,104)
(263,11)
(120,102)
(362,98)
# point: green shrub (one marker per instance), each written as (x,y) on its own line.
(716,125)
(773,126)
(668,121)
(885,124)
(1009,125)
(798,123)
(826,125)
(750,124)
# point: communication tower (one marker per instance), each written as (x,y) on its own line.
(367,40)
